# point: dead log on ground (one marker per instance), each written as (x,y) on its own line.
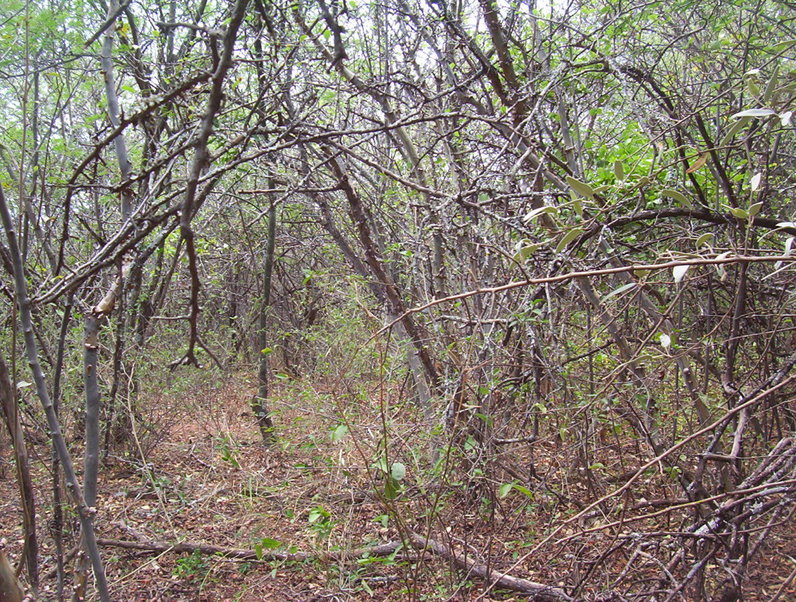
(538,591)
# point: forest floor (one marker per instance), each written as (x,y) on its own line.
(200,475)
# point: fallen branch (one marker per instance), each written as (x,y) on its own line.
(539,591)
(242,554)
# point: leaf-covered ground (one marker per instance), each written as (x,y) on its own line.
(195,472)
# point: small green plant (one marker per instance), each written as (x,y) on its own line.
(193,567)
(392,474)
(265,545)
(245,568)
(321,522)
(227,447)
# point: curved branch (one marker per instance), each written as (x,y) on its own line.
(201,160)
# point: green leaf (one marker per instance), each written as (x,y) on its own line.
(705,239)
(578,205)
(524,252)
(391,489)
(270,544)
(380,464)
(619,291)
(677,196)
(339,433)
(317,513)
(398,471)
(734,129)
(784,45)
(547,210)
(568,238)
(505,489)
(581,188)
(523,490)
(754,113)
(619,170)
(771,86)
(739,213)
(755,209)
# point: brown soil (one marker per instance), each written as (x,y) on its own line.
(205,478)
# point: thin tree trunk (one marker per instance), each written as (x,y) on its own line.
(92,392)
(58,511)
(99,313)
(260,401)
(114,110)
(85,513)
(396,305)
(24,481)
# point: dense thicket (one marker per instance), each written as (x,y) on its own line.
(561,230)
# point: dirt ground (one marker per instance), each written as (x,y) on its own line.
(197,473)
